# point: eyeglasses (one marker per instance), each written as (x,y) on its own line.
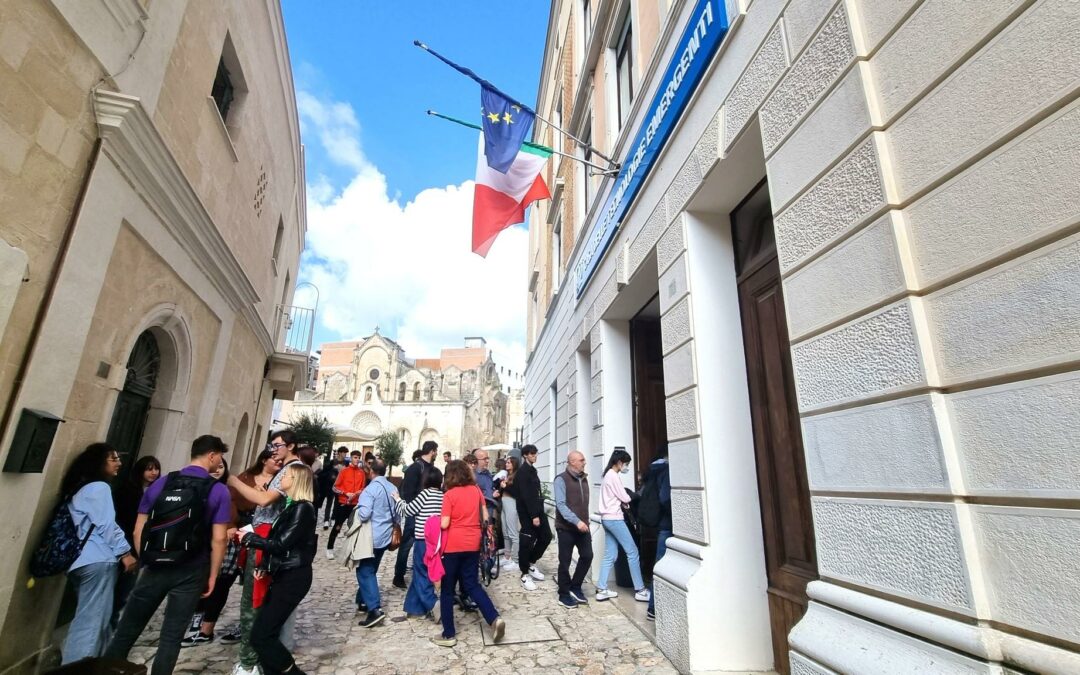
(115,458)
(278,446)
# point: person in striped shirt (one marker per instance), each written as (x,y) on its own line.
(420,598)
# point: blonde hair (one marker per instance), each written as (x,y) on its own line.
(303,485)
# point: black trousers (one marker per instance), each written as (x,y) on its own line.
(568,541)
(407,537)
(287,589)
(341,514)
(533,540)
(182,585)
(212,605)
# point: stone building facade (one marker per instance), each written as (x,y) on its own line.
(152,181)
(457,400)
(837,273)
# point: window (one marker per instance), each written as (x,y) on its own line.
(556,254)
(431,393)
(277,243)
(401,392)
(223,91)
(624,70)
(586,21)
(373,374)
(416,392)
(556,136)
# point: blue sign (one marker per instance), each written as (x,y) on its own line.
(699,42)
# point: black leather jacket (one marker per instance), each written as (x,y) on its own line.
(292,540)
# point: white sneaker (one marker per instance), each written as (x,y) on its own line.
(605,594)
(329,554)
(535,573)
(527,583)
(240,670)
(643,595)
(508,564)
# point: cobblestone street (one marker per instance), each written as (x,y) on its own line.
(597,638)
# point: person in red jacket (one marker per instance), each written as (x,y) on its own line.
(348,486)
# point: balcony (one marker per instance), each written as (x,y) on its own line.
(294,328)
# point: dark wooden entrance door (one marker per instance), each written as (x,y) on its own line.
(786,520)
(133,403)
(650,413)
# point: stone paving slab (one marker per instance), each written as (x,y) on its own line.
(595,639)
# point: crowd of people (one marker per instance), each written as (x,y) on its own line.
(189,535)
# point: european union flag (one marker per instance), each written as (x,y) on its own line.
(506,126)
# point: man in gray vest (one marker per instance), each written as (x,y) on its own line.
(572,525)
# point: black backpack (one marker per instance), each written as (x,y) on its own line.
(649,509)
(176,530)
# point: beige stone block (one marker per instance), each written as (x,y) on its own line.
(1019,316)
(858,273)
(50,134)
(992,207)
(679,370)
(755,84)
(14,43)
(13,149)
(809,77)
(672,243)
(20,106)
(53,85)
(802,20)
(682,415)
(928,44)
(877,18)
(75,148)
(676,325)
(958,119)
(824,135)
(674,284)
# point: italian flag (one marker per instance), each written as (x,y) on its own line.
(499,199)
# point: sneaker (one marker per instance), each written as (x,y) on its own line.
(650,615)
(198,638)
(643,595)
(240,670)
(398,582)
(603,594)
(445,642)
(329,554)
(373,618)
(568,601)
(230,638)
(528,583)
(466,604)
(362,608)
(535,573)
(498,628)
(579,595)
(196,622)
(509,564)
(326,524)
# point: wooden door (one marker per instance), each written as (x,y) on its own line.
(650,412)
(133,403)
(786,520)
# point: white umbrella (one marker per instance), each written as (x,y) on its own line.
(496,447)
(344,433)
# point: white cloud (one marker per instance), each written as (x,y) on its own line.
(405,267)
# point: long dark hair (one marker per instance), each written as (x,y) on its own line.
(135,476)
(616,457)
(512,463)
(257,466)
(88,467)
(432,479)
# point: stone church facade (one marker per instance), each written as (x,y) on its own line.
(370,385)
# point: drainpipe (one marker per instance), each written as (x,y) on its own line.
(50,291)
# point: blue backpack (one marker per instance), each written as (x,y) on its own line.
(60,544)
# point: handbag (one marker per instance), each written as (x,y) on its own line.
(395,533)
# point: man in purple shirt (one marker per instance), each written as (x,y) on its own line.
(183,582)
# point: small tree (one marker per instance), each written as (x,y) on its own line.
(314,430)
(389,446)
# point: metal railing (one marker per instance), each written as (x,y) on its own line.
(294,328)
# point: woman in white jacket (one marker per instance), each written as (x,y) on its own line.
(613,501)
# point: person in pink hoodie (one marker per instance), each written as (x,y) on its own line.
(613,501)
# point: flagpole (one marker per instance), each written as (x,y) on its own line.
(600,169)
(484,83)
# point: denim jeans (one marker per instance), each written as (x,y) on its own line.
(661,548)
(420,597)
(463,567)
(182,585)
(367,581)
(89,630)
(616,536)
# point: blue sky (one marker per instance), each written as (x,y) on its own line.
(389,188)
(361,52)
